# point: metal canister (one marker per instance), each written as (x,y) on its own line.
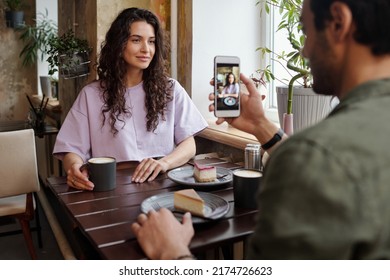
(252,156)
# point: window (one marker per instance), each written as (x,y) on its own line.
(41,7)
(276,41)
(223,27)
(230,27)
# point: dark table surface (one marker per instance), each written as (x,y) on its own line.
(105,217)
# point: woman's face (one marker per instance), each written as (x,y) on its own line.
(231,79)
(140,47)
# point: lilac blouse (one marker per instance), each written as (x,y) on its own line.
(231,89)
(82,132)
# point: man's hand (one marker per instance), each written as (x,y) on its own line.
(162,236)
(252,112)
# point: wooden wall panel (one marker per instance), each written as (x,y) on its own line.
(184,47)
(80,16)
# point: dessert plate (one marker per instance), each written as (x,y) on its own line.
(230,101)
(185,176)
(215,206)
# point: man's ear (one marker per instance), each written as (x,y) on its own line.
(341,24)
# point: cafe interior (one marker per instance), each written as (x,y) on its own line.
(60,222)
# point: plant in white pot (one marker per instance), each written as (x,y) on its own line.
(296,96)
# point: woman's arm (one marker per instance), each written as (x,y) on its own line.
(149,168)
(70,159)
(181,154)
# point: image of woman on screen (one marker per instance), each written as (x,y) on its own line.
(231,88)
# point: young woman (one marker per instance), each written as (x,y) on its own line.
(231,86)
(134,112)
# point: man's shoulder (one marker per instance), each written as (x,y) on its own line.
(315,144)
(322,132)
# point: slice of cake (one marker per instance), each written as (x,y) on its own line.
(204,173)
(189,201)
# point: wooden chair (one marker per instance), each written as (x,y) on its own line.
(19,179)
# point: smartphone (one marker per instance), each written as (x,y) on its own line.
(227,86)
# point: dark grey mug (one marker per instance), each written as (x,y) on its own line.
(102,173)
(246,184)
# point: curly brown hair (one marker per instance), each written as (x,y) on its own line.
(111,71)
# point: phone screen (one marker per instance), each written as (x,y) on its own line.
(227,86)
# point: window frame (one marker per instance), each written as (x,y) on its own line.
(186,55)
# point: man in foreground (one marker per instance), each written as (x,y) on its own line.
(325,191)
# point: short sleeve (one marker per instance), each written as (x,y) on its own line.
(188,120)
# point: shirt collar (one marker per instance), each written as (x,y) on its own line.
(371,89)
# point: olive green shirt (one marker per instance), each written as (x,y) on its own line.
(325,193)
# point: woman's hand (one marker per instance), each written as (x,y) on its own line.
(78,179)
(75,177)
(162,236)
(148,169)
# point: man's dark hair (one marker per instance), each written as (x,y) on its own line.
(372,19)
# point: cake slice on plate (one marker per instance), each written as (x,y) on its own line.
(189,201)
(204,173)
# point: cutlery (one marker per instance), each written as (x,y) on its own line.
(222,176)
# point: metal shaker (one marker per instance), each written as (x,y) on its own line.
(253,157)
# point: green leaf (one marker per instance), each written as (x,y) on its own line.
(267,9)
(290,11)
(302,39)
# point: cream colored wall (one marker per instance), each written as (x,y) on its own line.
(15,79)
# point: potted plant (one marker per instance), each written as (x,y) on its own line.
(68,55)
(36,37)
(297,67)
(13,13)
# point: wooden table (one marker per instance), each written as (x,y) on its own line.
(105,217)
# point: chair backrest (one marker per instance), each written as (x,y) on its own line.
(18,163)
